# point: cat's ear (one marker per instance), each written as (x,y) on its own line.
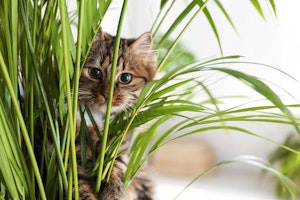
(142,43)
(100,35)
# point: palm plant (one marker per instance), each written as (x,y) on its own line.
(40,64)
(287,162)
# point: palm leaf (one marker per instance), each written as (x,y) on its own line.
(212,23)
(263,89)
(273,6)
(219,4)
(257,6)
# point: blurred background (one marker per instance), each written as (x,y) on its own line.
(275,42)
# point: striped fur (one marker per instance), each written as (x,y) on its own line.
(136,66)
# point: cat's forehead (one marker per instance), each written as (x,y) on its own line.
(134,55)
(101,54)
(102,59)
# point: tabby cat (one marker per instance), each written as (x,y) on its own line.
(136,66)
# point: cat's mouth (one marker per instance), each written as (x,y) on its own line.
(98,104)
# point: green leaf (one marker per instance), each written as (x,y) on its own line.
(261,88)
(67,64)
(219,4)
(5,168)
(212,24)
(20,119)
(103,7)
(290,186)
(163,3)
(273,6)
(257,6)
(138,152)
(168,89)
(52,177)
(109,103)
(177,21)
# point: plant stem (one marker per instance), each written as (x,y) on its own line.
(63,13)
(110,96)
(76,81)
(26,138)
(14,34)
(78,56)
(43,95)
(180,35)
(162,20)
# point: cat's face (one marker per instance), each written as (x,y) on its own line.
(135,67)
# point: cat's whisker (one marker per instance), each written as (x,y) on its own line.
(82,93)
(72,93)
(91,101)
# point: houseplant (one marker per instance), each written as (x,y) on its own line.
(39,80)
(287,163)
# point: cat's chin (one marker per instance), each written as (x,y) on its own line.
(98,108)
(98,112)
(101,109)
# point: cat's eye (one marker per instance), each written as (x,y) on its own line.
(95,73)
(125,78)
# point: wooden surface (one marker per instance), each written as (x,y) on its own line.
(183,158)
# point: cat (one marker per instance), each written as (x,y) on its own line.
(135,68)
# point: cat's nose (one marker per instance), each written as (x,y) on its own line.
(102,97)
(105,95)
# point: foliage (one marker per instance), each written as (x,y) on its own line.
(287,163)
(40,64)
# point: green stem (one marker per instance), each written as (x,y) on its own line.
(116,150)
(44,97)
(184,14)
(70,188)
(7,32)
(26,138)
(31,85)
(110,96)
(162,20)
(35,11)
(76,82)
(63,13)
(78,56)
(14,44)
(31,117)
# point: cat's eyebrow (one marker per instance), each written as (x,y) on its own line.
(91,61)
(142,77)
(91,66)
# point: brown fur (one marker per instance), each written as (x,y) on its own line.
(137,64)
